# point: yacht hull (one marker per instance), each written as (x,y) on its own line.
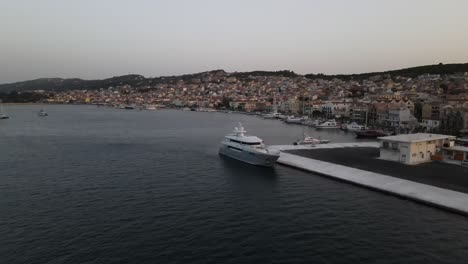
(250,157)
(327,127)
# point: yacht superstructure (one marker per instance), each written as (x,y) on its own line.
(329,124)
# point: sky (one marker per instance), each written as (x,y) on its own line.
(95,39)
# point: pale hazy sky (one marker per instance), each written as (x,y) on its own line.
(104,38)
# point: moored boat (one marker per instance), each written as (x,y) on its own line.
(274,115)
(295,120)
(249,149)
(2,114)
(312,123)
(308,140)
(42,112)
(371,133)
(354,127)
(328,124)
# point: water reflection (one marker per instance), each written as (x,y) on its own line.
(242,172)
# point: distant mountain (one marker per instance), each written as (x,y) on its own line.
(244,75)
(58,84)
(408,72)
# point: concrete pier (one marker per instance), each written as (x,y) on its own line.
(428,194)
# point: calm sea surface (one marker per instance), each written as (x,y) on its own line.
(101,185)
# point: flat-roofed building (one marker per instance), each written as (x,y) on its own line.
(413,148)
(456,155)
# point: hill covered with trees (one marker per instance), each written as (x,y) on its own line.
(135,80)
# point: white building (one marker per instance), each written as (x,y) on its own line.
(334,109)
(456,155)
(429,125)
(398,118)
(413,148)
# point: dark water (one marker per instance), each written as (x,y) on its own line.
(98,185)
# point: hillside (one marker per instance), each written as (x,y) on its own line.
(407,72)
(58,84)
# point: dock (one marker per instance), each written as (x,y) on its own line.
(447,199)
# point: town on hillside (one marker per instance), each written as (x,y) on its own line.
(436,103)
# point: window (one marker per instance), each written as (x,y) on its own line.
(245,143)
(395,145)
(385,144)
(236,149)
(413,155)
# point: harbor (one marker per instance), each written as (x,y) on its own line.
(86,176)
(358,163)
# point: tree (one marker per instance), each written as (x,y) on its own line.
(225,101)
(317,113)
(418,111)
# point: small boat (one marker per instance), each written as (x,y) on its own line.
(354,127)
(312,123)
(42,113)
(2,114)
(308,140)
(274,115)
(295,120)
(328,124)
(371,133)
(249,149)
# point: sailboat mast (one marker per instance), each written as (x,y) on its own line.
(303,106)
(367,112)
(275,109)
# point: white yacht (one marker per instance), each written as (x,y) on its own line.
(2,115)
(308,140)
(329,124)
(312,123)
(42,112)
(354,127)
(295,120)
(151,107)
(274,115)
(249,149)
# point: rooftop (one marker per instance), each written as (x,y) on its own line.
(417,137)
(458,148)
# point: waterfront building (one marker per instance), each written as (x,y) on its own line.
(359,113)
(431,111)
(414,148)
(429,125)
(452,120)
(456,155)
